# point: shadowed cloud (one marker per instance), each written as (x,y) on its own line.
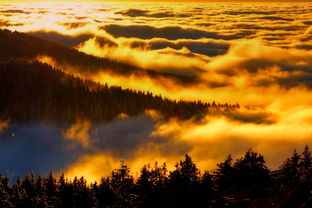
(209,48)
(250,12)
(276,18)
(35,147)
(307,22)
(170,33)
(271,28)
(145,13)
(65,40)
(14,11)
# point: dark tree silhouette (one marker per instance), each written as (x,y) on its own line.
(122,184)
(235,184)
(206,188)
(295,180)
(184,182)
(290,171)
(225,174)
(5,193)
(50,187)
(103,193)
(152,186)
(251,171)
(305,161)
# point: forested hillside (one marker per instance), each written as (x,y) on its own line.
(37,92)
(18,45)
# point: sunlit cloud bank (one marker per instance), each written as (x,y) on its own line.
(263,51)
(249,72)
(209,142)
(169,21)
(93,150)
(163,33)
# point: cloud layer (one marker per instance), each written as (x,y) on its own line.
(257,55)
(93,150)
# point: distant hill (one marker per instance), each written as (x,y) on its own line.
(33,91)
(18,45)
(37,92)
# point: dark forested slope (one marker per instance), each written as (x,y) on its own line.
(35,91)
(18,45)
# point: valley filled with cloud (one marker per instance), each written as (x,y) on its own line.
(257,55)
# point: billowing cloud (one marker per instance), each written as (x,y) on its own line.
(45,147)
(159,60)
(205,47)
(34,147)
(93,150)
(262,66)
(79,132)
(208,142)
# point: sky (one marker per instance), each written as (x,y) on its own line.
(257,55)
(188,1)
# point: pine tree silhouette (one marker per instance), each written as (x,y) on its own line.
(246,182)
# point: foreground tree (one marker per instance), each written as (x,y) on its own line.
(184,183)
(206,189)
(246,182)
(225,174)
(5,193)
(152,186)
(248,175)
(122,184)
(104,193)
(289,171)
(295,180)
(305,161)
(251,172)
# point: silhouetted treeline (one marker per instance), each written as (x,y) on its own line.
(22,46)
(245,182)
(37,92)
